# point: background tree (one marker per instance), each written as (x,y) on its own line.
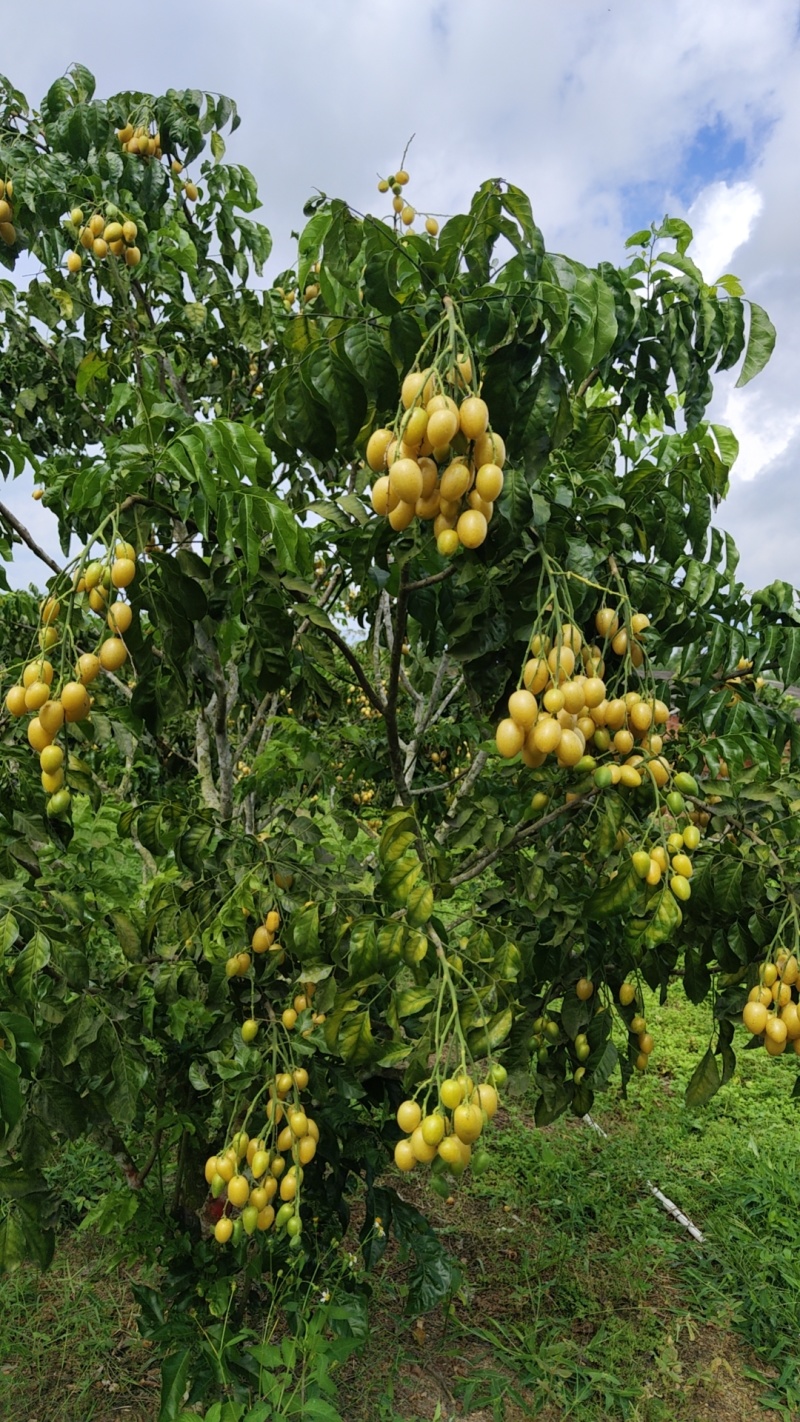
(284,860)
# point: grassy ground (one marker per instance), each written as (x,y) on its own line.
(582,1298)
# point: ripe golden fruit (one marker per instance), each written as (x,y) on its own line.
(15,700)
(123,572)
(132,257)
(755,1017)
(273,920)
(51,759)
(442,427)
(87,668)
(509,738)
(75,700)
(627,993)
(447,542)
(191,191)
(432,1129)
(606,621)
(401,516)
(377,445)
(489,482)
(129,231)
(74,262)
(546,734)
(76,216)
(407,214)
(223,1230)
(416,386)
(40,670)
(383,186)
(112,232)
(405,480)
(113,653)
(5,211)
(51,717)
(423,1152)
(38,737)
(584,989)
(8,233)
(120,616)
(431,226)
(522,708)
(467,1122)
(401,177)
(404,1157)
(489,449)
(570,747)
(36,694)
(474,417)
(472,528)
(397,203)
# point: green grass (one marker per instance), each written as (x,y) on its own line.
(582,1298)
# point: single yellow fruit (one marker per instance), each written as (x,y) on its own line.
(75,700)
(120,616)
(113,653)
(74,262)
(431,226)
(51,717)
(447,542)
(409,1115)
(472,529)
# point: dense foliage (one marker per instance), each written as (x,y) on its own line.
(294,712)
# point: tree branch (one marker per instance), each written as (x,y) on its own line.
(477,866)
(27,538)
(434,578)
(352,661)
(390,711)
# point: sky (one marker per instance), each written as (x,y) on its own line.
(608,115)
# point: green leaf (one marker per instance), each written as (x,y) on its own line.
(705,1081)
(174,1380)
(129,1075)
(10,1093)
(760,344)
(28,964)
(12,1243)
(303,935)
(354,1039)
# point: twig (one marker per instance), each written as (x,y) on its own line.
(663,1200)
(28,538)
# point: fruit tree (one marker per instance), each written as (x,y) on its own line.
(393,714)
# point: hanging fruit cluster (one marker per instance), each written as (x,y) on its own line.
(444,1137)
(404,212)
(771,1011)
(574,712)
(253,1172)
(54,702)
(440,462)
(104,237)
(140,141)
(8,232)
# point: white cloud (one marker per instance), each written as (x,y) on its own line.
(764,434)
(722,218)
(581,104)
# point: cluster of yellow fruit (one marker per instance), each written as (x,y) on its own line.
(637,1027)
(250,1172)
(448,1133)
(442,462)
(103,237)
(34,694)
(771,1010)
(574,711)
(8,232)
(395,184)
(140,141)
(652,864)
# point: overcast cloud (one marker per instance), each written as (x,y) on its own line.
(609,116)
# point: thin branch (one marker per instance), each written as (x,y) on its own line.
(466,785)
(28,538)
(434,578)
(477,866)
(390,711)
(352,661)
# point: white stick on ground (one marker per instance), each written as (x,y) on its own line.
(665,1203)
